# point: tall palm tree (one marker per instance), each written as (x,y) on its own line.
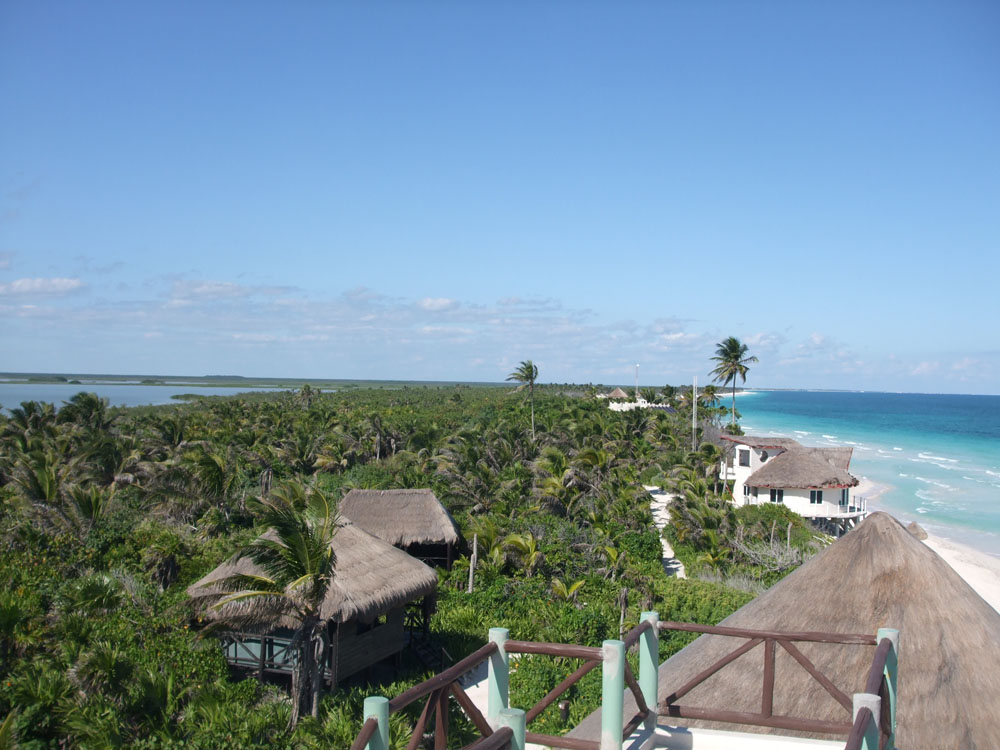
(526,374)
(733,362)
(296,562)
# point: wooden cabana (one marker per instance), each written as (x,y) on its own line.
(412,520)
(365,609)
(879,575)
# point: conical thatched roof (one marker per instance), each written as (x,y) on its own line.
(806,467)
(400,517)
(618,393)
(370,577)
(878,575)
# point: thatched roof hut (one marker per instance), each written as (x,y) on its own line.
(618,393)
(371,577)
(806,467)
(402,518)
(877,576)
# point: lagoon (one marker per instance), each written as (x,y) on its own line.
(118,394)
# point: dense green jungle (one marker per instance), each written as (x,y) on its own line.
(107,515)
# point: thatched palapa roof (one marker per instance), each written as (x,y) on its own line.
(806,467)
(370,577)
(878,575)
(618,393)
(400,517)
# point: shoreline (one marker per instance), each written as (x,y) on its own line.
(977,568)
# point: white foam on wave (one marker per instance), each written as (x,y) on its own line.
(930,457)
(830,437)
(934,483)
(895,448)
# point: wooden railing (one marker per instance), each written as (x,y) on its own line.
(770,641)
(506,727)
(874,725)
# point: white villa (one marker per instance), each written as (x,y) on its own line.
(813,482)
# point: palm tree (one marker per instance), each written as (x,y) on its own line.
(295,567)
(731,354)
(526,374)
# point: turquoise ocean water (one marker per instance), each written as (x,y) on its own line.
(938,455)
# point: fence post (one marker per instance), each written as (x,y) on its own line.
(874,704)
(649,663)
(498,683)
(613,694)
(378,707)
(891,672)
(513,718)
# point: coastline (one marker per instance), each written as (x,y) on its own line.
(978,569)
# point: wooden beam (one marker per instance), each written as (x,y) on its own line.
(555,649)
(821,678)
(706,673)
(558,690)
(441,723)
(767,693)
(739,717)
(816,637)
(474,714)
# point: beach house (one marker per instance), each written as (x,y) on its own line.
(814,482)
(364,608)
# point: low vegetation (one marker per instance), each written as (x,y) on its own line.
(107,515)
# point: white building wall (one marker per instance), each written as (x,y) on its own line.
(740,474)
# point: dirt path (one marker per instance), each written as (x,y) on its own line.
(660,506)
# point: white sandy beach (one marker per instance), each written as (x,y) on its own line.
(979,570)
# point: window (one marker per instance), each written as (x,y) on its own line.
(816,497)
(844,496)
(777,496)
(746,491)
(744,458)
(754,493)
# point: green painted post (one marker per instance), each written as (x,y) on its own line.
(613,694)
(891,672)
(513,718)
(874,704)
(499,676)
(649,658)
(378,707)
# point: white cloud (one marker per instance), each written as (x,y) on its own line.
(925,368)
(41,286)
(437,303)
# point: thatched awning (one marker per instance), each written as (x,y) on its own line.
(371,577)
(768,443)
(876,576)
(400,517)
(800,467)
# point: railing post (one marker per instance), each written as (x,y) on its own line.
(513,718)
(378,707)
(874,704)
(890,672)
(613,694)
(499,675)
(649,658)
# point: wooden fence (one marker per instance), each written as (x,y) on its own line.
(505,727)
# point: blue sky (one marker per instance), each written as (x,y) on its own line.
(438,190)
